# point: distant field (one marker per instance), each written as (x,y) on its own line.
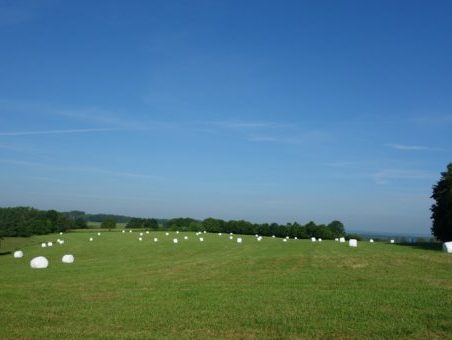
(119,287)
(98,224)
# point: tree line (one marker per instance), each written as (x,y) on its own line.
(25,221)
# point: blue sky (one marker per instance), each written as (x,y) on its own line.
(262,110)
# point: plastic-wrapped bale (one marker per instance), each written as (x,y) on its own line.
(130,231)
(98,234)
(259,238)
(123,231)
(219,234)
(336,239)
(201,239)
(177,232)
(18,254)
(205,231)
(49,244)
(231,233)
(156,239)
(166,234)
(141,234)
(287,237)
(140,239)
(39,262)
(68,258)
(371,241)
(230,237)
(320,240)
(273,236)
(91,239)
(175,240)
(43,245)
(447,247)
(185,237)
(295,238)
(147,232)
(61,233)
(342,240)
(392,241)
(239,240)
(313,239)
(284,240)
(352,242)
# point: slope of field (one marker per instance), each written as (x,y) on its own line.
(119,287)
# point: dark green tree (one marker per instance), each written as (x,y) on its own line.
(442,209)
(108,223)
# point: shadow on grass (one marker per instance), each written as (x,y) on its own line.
(434,246)
(5,252)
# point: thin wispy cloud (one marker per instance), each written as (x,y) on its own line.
(56,132)
(83,169)
(404,147)
(390,175)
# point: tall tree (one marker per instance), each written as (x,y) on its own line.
(442,209)
(108,223)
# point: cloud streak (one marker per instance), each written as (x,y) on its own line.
(57,132)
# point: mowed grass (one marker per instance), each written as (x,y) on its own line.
(119,287)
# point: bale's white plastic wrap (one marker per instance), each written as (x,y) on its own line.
(130,231)
(91,239)
(140,239)
(49,244)
(273,236)
(185,237)
(18,254)
(371,241)
(295,238)
(166,234)
(284,240)
(61,233)
(287,237)
(230,237)
(342,240)
(201,239)
(231,233)
(141,234)
(68,258)
(447,247)
(352,242)
(123,231)
(313,239)
(43,245)
(156,239)
(175,240)
(239,240)
(39,262)
(392,241)
(259,238)
(98,234)
(205,231)
(256,235)
(147,232)
(219,234)
(177,232)
(336,239)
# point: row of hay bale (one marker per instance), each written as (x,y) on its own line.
(41,262)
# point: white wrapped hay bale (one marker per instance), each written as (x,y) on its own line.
(49,244)
(371,241)
(185,237)
(313,239)
(205,231)
(147,232)
(141,234)
(284,240)
(239,240)
(295,238)
(98,234)
(130,230)
(392,241)
(140,239)
(43,245)
(342,240)
(447,247)
(68,258)
(353,243)
(259,238)
(166,234)
(177,231)
(156,239)
(123,231)
(230,237)
(91,239)
(320,240)
(273,236)
(61,233)
(39,262)
(175,240)
(18,254)
(336,239)
(201,239)
(219,234)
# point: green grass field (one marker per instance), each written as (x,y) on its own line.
(119,287)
